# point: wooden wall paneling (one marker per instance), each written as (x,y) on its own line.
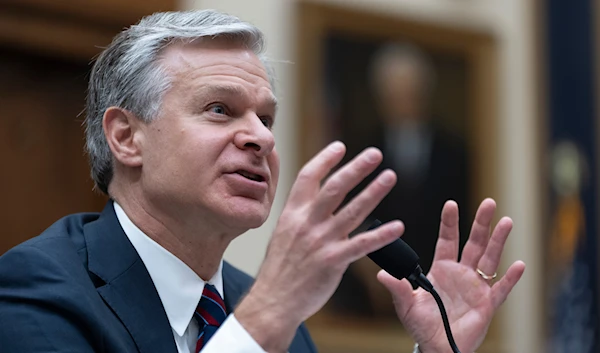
(44,174)
(119,12)
(67,29)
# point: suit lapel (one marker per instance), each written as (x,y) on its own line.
(232,288)
(129,290)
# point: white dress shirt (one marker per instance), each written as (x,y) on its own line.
(180,290)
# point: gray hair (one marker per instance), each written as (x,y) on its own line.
(128,75)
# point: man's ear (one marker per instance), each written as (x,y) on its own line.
(122,131)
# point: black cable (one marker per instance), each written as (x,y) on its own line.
(400,260)
(426,285)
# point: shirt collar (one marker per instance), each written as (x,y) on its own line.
(178,286)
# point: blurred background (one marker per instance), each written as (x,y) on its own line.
(467,99)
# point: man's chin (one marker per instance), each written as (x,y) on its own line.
(246,223)
(247,216)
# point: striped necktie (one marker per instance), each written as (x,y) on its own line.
(210,314)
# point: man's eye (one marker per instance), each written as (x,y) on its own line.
(218,109)
(267,121)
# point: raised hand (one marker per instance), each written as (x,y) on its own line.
(310,248)
(471,300)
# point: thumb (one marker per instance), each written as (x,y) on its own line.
(402,292)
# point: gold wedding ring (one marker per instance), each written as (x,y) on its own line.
(487,277)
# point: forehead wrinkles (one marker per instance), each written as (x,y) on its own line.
(233,72)
(187,65)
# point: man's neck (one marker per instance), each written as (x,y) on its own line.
(198,244)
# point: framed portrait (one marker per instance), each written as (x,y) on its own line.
(423,94)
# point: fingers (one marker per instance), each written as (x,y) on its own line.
(309,178)
(504,286)
(367,242)
(490,260)
(480,233)
(447,243)
(354,213)
(402,292)
(344,180)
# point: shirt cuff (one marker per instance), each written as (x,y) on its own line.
(231,337)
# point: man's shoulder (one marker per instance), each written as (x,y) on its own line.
(63,237)
(50,263)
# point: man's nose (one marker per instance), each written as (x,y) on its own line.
(253,134)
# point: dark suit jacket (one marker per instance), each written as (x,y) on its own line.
(81,287)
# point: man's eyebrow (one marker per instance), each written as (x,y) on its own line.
(223,89)
(234,90)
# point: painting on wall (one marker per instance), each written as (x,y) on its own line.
(408,89)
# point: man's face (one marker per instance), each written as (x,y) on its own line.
(211,153)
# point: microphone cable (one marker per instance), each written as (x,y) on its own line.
(401,261)
(424,283)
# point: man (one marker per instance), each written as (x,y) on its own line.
(179,120)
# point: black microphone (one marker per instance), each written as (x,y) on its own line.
(401,261)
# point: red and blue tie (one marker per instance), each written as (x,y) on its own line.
(210,314)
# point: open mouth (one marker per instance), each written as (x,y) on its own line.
(251,176)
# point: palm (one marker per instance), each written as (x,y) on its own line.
(470,301)
(469,308)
